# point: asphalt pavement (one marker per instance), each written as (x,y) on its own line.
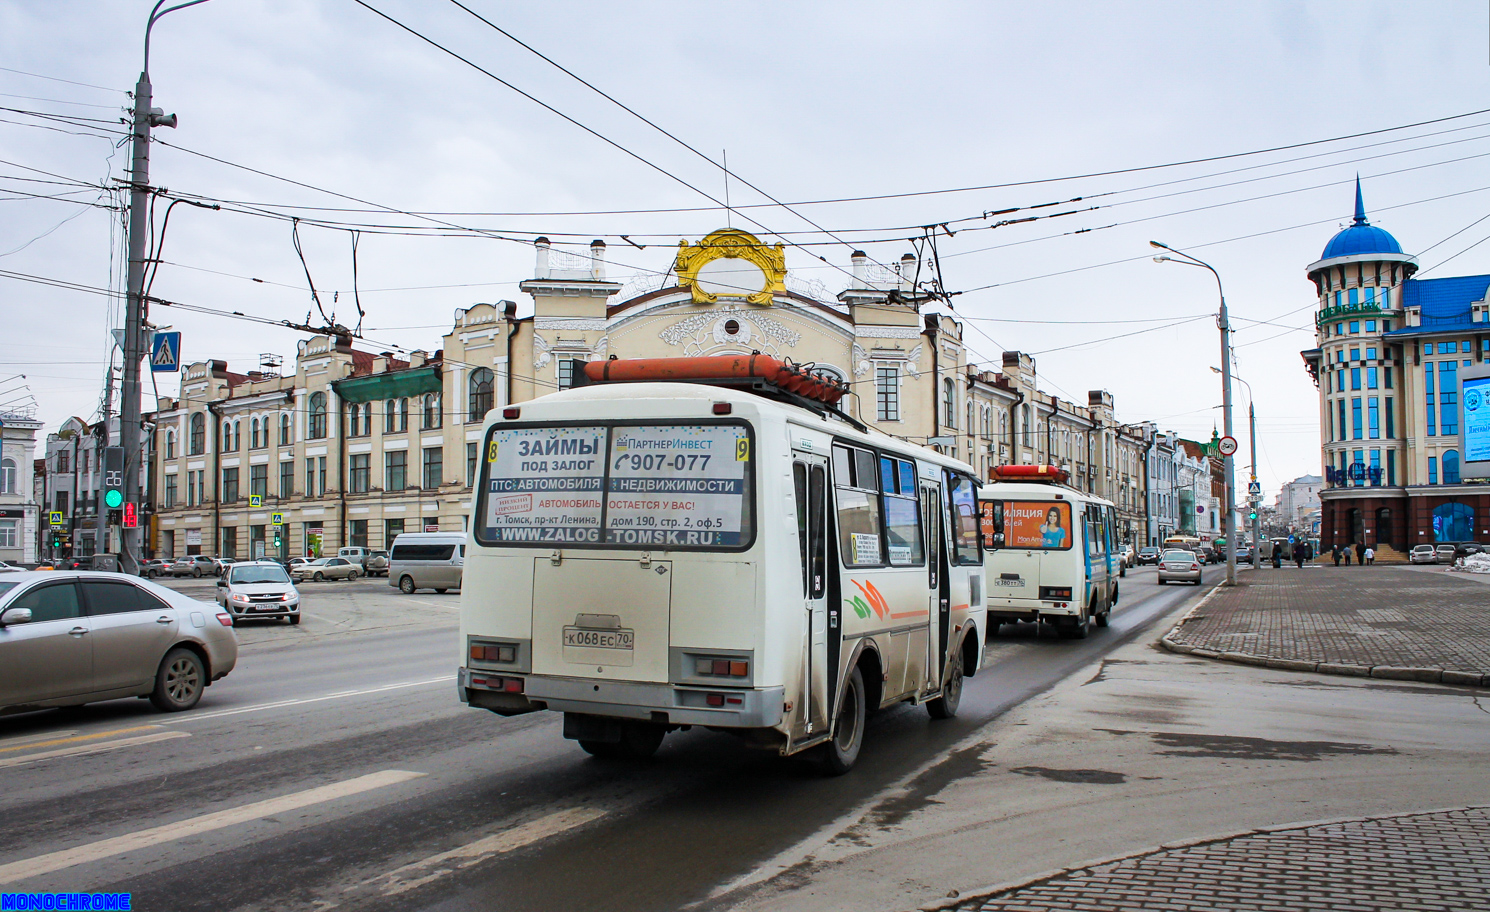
(335,767)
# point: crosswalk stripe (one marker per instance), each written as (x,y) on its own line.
(195,826)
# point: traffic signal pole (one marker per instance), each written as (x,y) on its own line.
(1252,435)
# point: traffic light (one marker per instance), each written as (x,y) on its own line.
(1252,515)
(113,477)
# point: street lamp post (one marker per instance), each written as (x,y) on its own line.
(1225,326)
(145,117)
(1252,439)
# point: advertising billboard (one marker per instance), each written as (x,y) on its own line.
(1474,393)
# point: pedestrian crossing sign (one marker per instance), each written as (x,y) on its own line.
(255,500)
(56,517)
(165,352)
(276,519)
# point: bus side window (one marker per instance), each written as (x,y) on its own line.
(991,522)
(856,485)
(817,487)
(964,517)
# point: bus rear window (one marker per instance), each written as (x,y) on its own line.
(667,486)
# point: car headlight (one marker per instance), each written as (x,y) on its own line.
(240,598)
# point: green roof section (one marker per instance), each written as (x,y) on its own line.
(390,385)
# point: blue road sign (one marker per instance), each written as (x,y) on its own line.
(165,352)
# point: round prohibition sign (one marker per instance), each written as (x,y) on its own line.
(1227,446)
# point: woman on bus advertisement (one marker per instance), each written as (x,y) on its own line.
(1037,525)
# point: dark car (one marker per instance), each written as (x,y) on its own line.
(1148,556)
(1245,555)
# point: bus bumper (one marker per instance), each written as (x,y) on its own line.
(668,704)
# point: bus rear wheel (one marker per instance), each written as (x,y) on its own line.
(842,750)
(945,706)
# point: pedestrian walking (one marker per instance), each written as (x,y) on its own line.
(1298,556)
(1277,558)
(1370,556)
(1360,553)
(1335,553)
(1345,553)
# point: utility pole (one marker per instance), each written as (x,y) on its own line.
(1223,324)
(145,117)
(1252,435)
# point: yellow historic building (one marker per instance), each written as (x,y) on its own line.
(354,447)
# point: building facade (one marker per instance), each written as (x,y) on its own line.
(19,518)
(354,447)
(1389,349)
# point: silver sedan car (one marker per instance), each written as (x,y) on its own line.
(326,568)
(74,637)
(1176,565)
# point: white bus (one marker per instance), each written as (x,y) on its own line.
(1052,551)
(650,556)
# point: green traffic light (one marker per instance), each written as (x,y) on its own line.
(113,499)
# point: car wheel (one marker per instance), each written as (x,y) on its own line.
(294,620)
(839,754)
(196,572)
(1102,618)
(179,681)
(945,706)
(352,575)
(1123,572)
(318,577)
(406,585)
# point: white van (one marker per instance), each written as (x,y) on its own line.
(427,560)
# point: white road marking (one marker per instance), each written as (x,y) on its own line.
(197,717)
(419,873)
(195,826)
(78,750)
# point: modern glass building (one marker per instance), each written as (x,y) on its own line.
(1390,348)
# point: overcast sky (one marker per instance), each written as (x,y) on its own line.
(813,101)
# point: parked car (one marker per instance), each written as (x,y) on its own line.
(222,563)
(1179,565)
(356,554)
(427,560)
(1422,554)
(1127,556)
(10,568)
(1148,556)
(326,568)
(143,640)
(259,589)
(376,563)
(1465,549)
(1445,554)
(152,568)
(196,565)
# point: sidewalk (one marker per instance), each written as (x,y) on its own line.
(1381,864)
(1381,622)
(1161,781)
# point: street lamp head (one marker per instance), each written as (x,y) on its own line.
(1164,259)
(1161,246)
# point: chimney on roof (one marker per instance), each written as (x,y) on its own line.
(541,246)
(597,260)
(380,362)
(416,358)
(908,271)
(860,259)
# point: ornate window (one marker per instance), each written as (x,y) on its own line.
(431,416)
(198,435)
(949,403)
(317,416)
(170,444)
(284,429)
(7,476)
(480,394)
(354,419)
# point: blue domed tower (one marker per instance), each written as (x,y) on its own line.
(1358,369)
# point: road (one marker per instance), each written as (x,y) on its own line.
(335,767)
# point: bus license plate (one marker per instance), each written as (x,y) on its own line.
(608,638)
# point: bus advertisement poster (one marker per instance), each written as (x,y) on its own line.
(544,484)
(1037,524)
(677,484)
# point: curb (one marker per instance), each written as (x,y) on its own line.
(1388,672)
(980,895)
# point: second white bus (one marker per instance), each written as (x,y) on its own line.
(1052,555)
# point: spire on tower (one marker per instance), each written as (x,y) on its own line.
(1360,206)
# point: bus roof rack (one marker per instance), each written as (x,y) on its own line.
(773,378)
(1047,474)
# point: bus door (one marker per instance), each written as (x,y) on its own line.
(810,483)
(938,585)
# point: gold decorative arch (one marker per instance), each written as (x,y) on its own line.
(731,243)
